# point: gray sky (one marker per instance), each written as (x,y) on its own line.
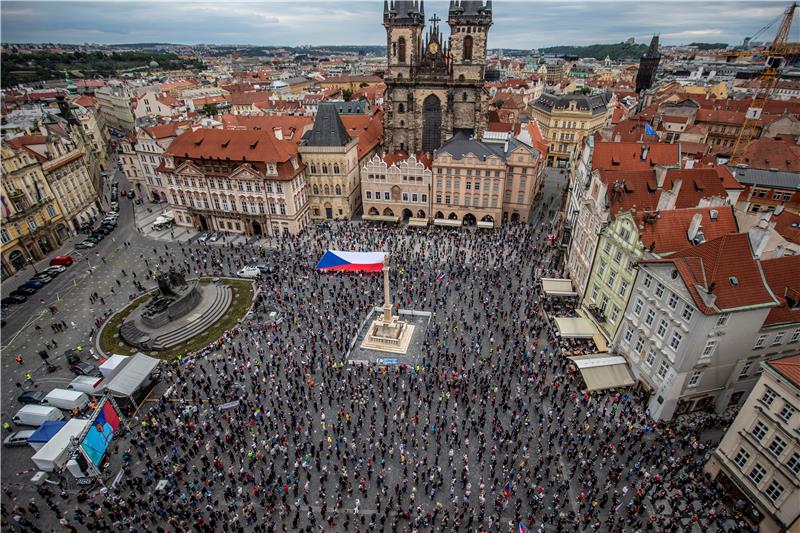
(517,24)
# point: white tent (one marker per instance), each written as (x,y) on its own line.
(113,364)
(136,373)
(557,287)
(602,371)
(571,327)
(56,452)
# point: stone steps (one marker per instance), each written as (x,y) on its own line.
(222,300)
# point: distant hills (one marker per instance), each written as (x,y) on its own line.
(600,51)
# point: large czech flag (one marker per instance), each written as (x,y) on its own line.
(352,261)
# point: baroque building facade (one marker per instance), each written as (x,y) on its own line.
(434,87)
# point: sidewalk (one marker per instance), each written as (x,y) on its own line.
(145,214)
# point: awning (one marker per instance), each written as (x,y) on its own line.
(46,431)
(601,372)
(135,373)
(417,222)
(381,218)
(446,222)
(571,327)
(485,224)
(557,287)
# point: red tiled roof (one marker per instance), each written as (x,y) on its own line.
(788,367)
(693,148)
(248,98)
(169,101)
(23,142)
(628,155)
(537,139)
(632,130)
(368,129)
(671,118)
(720,116)
(85,101)
(163,131)
(782,277)
(729,181)
(208,100)
(724,267)
(668,233)
(697,183)
(246,146)
(292,127)
(787,224)
(772,153)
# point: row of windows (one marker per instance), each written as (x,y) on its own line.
(324,168)
(768,398)
(415,197)
(455,183)
(405,177)
(470,172)
(469,201)
(777,340)
(327,190)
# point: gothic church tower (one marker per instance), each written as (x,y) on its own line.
(434,86)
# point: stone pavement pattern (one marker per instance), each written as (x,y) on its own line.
(489,430)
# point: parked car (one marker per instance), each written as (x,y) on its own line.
(35,397)
(266,269)
(34,283)
(85,244)
(249,272)
(44,277)
(204,237)
(215,236)
(13,299)
(62,260)
(97,236)
(84,369)
(109,222)
(23,292)
(18,438)
(103,230)
(55,270)
(130,194)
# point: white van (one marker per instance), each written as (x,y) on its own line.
(91,385)
(66,399)
(36,415)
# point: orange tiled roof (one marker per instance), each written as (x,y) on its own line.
(628,155)
(368,129)
(162,131)
(668,233)
(721,116)
(401,155)
(729,181)
(782,277)
(788,225)
(248,98)
(85,101)
(788,367)
(724,267)
(772,153)
(168,101)
(254,147)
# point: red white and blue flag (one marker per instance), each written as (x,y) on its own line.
(352,261)
(523,528)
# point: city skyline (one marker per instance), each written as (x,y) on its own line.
(516,24)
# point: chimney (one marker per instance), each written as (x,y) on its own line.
(759,237)
(617,138)
(278,131)
(661,175)
(713,214)
(644,152)
(666,202)
(778,210)
(694,226)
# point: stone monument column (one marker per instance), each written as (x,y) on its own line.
(387,294)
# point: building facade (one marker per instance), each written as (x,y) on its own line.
(236,182)
(397,185)
(332,167)
(32,223)
(565,120)
(115,107)
(495,180)
(434,86)
(758,459)
(151,143)
(687,322)
(130,166)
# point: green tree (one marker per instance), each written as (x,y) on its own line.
(347,95)
(209,109)
(363,84)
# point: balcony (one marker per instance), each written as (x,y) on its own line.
(597,313)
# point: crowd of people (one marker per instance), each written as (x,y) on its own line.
(270,429)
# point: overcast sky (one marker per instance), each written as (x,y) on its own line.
(517,24)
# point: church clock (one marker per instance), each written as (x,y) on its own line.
(433,48)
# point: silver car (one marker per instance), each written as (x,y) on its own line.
(18,438)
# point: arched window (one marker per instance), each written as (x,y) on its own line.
(338,190)
(313,168)
(402,123)
(468,48)
(464,97)
(324,168)
(461,77)
(336,168)
(401,108)
(327,189)
(401,50)
(316,189)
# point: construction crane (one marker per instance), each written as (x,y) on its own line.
(776,56)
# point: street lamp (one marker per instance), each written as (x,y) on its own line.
(33,264)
